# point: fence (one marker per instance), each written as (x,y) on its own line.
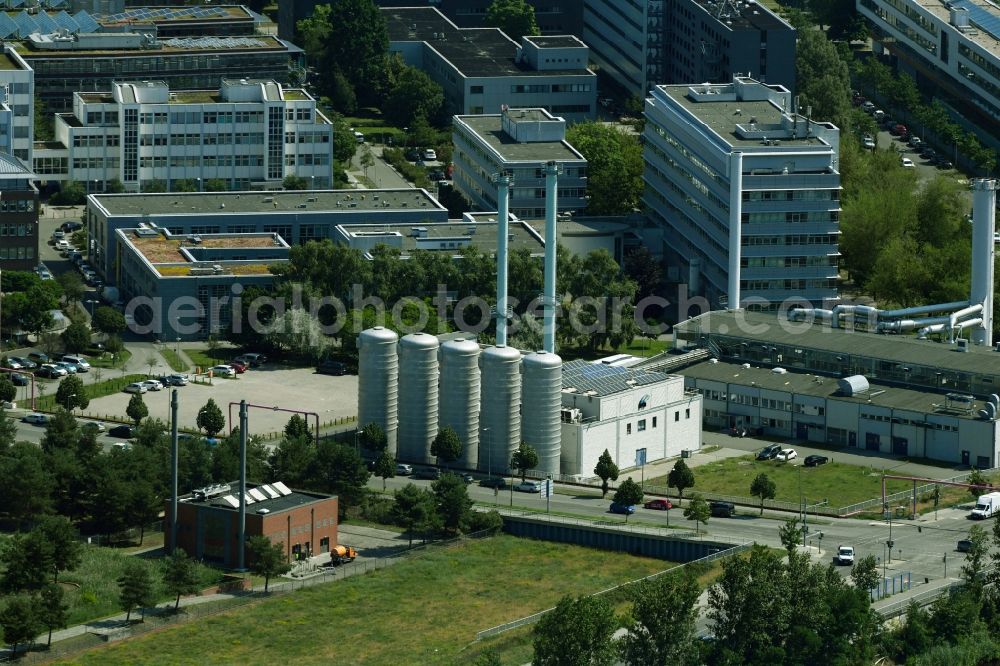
(819,508)
(897,583)
(535,617)
(876,503)
(898,608)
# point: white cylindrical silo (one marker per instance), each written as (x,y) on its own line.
(541,400)
(418,397)
(378,381)
(984,194)
(500,416)
(459,397)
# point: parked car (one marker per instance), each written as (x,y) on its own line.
(430,155)
(135,387)
(239,366)
(80,362)
(412,155)
(222,371)
(659,504)
(70,227)
(945,164)
(497,482)
(928,153)
(329,367)
(93,426)
(528,487)
(465,476)
(51,371)
(845,555)
(964,545)
(22,363)
(13,363)
(174,380)
(35,418)
(58,234)
(786,455)
(38,357)
(70,368)
(18,379)
(722,509)
(815,461)
(914,141)
(627,509)
(152,385)
(898,129)
(427,473)
(906,163)
(122,431)
(402,469)
(869,143)
(769,452)
(254,359)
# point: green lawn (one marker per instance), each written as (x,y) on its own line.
(203,359)
(173,359)
(644,347)
(425,610)
(95,390)
(106,362)
(838,483)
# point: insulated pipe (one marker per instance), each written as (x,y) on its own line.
(922,309)
(503,192)
(735,227)
(551,171)
(910,324)
(984,196)
(927,330)
(798,314)
(956,330)
(964,312)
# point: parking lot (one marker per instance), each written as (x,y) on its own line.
(302,389)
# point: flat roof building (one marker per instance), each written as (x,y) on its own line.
(747,192)
(181,286)
(17,82)
(18,216)
(448,237)
(214,21)
(249,134)
(518,142)
(482,69)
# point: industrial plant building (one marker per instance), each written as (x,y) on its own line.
(640,44)
(949,47)
(249,134)
(18,216)
(305,523)
(747,191)
(517,142)
(482,69)
(183,287)
(297,216)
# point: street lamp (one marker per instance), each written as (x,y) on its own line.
(90,302)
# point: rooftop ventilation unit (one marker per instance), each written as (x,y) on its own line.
(268,200)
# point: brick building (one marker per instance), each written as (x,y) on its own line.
(208,521)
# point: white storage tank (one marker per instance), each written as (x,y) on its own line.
(500,416)
(378,381)
(541,399)
(459,397)
(418,397)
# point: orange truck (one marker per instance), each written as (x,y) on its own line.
(342,555)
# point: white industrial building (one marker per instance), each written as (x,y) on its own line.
(17,81)
(249,134)
(518,142)
(636,415)
(747,192)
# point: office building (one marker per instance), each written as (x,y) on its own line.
(250,134)
(952,49)
(481,70)
(18,216)
(641,43)
(297,216)
(17,91)
(747,192)
(518,142)
(91,62)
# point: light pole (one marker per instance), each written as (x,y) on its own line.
(90,302)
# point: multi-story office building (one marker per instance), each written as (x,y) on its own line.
(215,21)
(642,43)
(17,81)
(747,192)
(951,48)
(18,216)
(518,142)
(91,62)
(482,69)
(250,134)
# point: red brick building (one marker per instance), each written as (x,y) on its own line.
(208,521)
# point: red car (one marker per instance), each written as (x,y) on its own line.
(239,366)
(659,504)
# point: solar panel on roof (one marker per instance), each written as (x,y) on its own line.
(45,23)
(15,3)
(57,3)
(986,21)
(249,499)
(281,488)
(86,22)
(231,501)
(25,24)
(257,495)
(65,21)
(271,492)
(7,25)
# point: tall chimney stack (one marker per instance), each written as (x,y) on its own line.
(503,194)
(984,200)
(551,171)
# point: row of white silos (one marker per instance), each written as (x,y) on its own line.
(495,395)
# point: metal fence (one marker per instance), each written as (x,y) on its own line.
(898,608)
(777,505)
(535,617)
(924,489)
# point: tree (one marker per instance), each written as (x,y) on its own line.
(27,562)
(180,576)
(8,429)
(27,483)
(76,337)
(143,505)
(446,445)
(338,469)
(135,587)
(414,97)
(791,535)
(293,182)
(606,469)
(373,437)
(977,482)
(524,458)
(577,631)
(137,409)
(296,427)
(698,511)
(385,467)
(267,559)
(764,488)
(515,18)
(19,621)
(975,557)
(412,508)
(71,394)
(52,611)
(292,461)
(215,185)
(614,167)
(210,418)
(108,321)
(865,574)
(60,536)
(661,631)
(114,346)
(7,394)
(452,501)
(70,194)
(822,78)
(645,270)
(628,494)
(680,477)
(72,286)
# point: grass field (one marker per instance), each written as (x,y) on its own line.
(203,359)
(837,483)
(425,610)
(106,362)
(173,359)
(95,390)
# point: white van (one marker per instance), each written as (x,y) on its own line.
(78,361)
